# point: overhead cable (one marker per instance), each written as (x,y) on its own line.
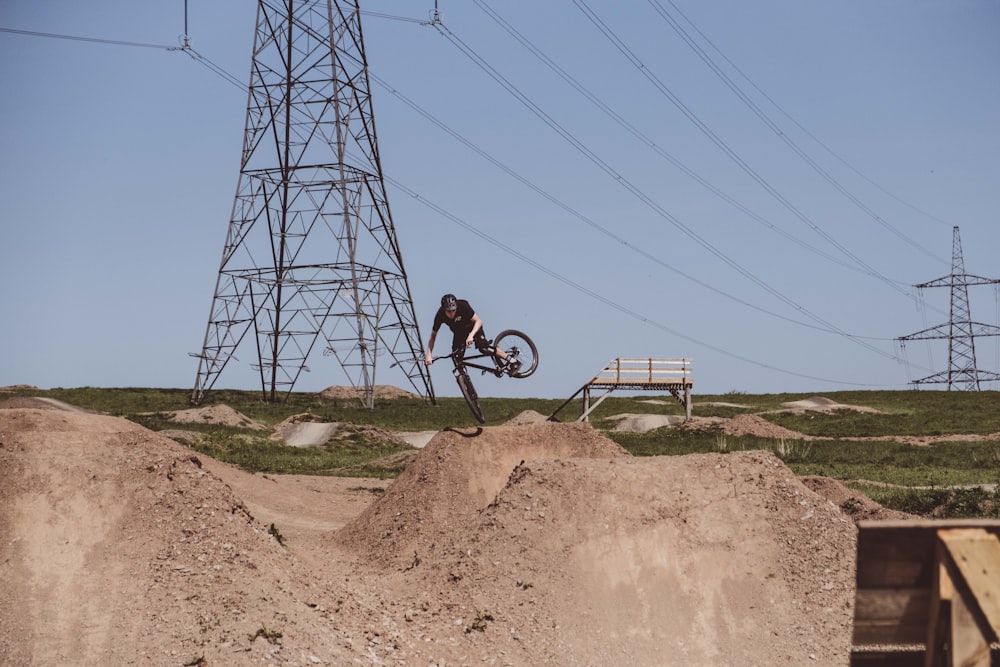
(586,220)
(690,115)
(812,136)
(650,143)
(785,138)
(638,193)
(606,301)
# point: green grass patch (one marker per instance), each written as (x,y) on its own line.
(352,456)
(954,503)
(924,480)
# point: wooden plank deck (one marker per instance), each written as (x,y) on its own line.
(640,374)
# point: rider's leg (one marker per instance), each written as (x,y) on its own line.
(458,345)
(485,347)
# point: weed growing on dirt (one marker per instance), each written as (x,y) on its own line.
(276,534)
(479,623)
(271,635)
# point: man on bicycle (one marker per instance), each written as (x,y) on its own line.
(466,328)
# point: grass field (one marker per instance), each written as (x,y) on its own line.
(948,478)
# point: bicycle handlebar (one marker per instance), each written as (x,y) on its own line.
(460,350)
(450,355)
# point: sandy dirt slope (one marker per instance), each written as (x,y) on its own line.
(513,545)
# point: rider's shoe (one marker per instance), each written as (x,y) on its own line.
(513,367)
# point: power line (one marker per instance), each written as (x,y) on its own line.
(810,134)
(95,40)
(598,297)
(586,220)
(185,47)
(785,138)
(628,185)
(650,143)
(690,115)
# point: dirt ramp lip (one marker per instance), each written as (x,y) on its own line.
(308,434)
(457,474)
(40,403)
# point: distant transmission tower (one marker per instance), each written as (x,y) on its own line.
(960,331)
(311,259)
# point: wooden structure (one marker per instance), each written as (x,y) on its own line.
(928,594)
(673,375)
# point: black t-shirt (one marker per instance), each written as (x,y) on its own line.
(460,324)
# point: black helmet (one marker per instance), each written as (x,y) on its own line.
(449,302)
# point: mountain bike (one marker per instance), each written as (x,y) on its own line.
(521,361)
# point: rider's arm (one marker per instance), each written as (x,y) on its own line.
(430,346)
(477,324)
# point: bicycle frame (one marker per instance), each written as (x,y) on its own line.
(469,361)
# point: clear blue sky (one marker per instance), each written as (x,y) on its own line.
(773,239)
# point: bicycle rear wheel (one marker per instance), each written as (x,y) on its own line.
(519,348)
(471,397)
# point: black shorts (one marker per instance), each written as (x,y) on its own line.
(479,340)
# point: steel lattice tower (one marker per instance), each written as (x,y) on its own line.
(311,258)
(960,330)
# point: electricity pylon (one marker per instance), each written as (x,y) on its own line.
(960,330)
(311,259)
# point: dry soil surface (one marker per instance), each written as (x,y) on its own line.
(533,544)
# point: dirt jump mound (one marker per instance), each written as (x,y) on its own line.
(510,545)
(119,548)
(552,538)
(456,475)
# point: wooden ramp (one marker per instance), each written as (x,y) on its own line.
(673,375)
(928,594)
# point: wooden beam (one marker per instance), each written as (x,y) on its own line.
(976,555)
(939,617)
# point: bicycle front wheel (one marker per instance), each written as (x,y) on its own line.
(519,348)
(471,397)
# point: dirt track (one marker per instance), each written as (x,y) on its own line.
(517,545)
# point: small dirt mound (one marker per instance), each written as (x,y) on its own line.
(457,474)
(760,427)
(381,391)
(633,423)
(823,404)
(216,414)
(853,503)
(527,417)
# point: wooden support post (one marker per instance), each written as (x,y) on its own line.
(969,571)
(939,617)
